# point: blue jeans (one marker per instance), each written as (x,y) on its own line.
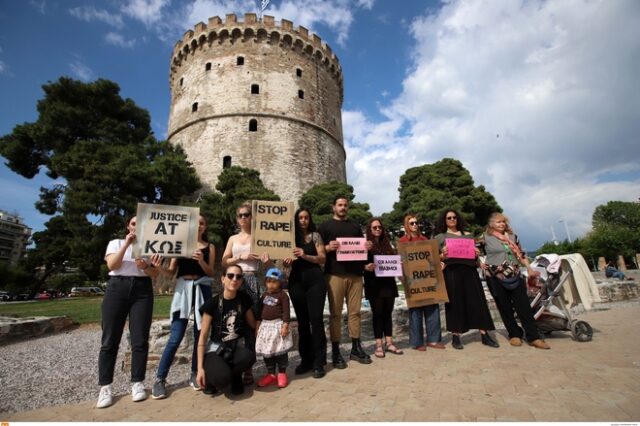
(178,329)
(431,315)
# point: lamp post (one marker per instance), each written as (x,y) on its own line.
(566,228)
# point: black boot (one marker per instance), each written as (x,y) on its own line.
(456,343)
(338,361)
(357,353)
(488,340)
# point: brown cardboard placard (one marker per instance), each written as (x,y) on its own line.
(272,228)
(423,278)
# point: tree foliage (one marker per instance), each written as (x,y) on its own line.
(104,158)
(319,200)
(235,186)
(426,190)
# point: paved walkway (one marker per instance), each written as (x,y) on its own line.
(594,381)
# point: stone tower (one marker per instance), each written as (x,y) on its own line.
(262,95)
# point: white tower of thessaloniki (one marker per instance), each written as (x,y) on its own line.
(259,94)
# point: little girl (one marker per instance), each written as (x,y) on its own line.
(273,339)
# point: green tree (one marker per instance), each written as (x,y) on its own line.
(615,231)
(562,247)
(101,152)
(426,190)
(235,186)
(319,200)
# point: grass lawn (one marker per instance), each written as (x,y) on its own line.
(83,310)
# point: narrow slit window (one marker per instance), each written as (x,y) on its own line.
(255,89)
(253,125)
(207,67)
(181,81)
(194,107)
(301,94)
(298,72)
(226,162)
(240,60)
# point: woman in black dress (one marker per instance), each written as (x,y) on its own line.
(308,292)
(380,291)
(467,307)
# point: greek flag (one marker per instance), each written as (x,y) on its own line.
(264,5)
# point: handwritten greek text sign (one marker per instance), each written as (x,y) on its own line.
(351,249)
(171,231)
(461,248)
(423,279)
(272,228)
(388,265)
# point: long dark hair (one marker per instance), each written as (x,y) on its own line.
(205,233)
(441,222)
(380,245)
(299,233)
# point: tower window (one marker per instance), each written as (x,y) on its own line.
(301,94)
(253,125)
(181,81)
(240,60)
(255,89)
(298,72)
(207,67)
(194,107)
(226,162)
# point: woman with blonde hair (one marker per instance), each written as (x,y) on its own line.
(502,263)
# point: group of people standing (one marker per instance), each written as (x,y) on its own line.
(245,319)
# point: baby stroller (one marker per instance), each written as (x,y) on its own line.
(550,313)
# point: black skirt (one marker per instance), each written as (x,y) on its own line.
(467,307)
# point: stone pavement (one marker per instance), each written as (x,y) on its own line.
(593,381)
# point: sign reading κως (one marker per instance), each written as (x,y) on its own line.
(351,249)
(170,231)
(272,229)
(387,265)
(461,248)
(423,279)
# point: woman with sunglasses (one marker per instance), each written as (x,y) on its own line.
(238,252)
(229,317)
(380,291)
(467,307)
(308,292)
(430,314)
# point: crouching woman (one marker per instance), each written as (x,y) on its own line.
(229,318)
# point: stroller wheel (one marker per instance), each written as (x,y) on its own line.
(581,331)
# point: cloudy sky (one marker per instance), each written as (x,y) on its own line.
(540,100)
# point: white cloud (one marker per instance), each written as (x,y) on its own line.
(118,40)
(81,71)
(538,99)
(148,12)
(90,13)
(40,6)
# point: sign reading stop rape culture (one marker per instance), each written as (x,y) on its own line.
(387,265)
(461,248)
(423,279)
(272,228)
(351,249)
(170,231)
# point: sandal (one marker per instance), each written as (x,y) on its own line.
(379,352)
(394,349)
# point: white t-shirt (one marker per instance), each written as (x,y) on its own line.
(128,267)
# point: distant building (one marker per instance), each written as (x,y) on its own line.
(14,237)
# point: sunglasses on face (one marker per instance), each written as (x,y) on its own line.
(376,228)
(243,215)
(234,276)
(413,223)
(452,217)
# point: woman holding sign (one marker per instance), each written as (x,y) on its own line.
(193,288)
(467,307)
(129,295)
(504,257)
(381,291)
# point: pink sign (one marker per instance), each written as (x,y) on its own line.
(388,265)
(461,248)
(351,249)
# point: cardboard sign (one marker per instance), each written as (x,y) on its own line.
(423,279)
(388,265)
(171,231)
(351,249)
(460,248)
(272,228)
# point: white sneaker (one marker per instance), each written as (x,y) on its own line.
(137,392)
(104,399)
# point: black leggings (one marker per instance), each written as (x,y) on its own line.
(219,374)
(281,360)
(381,312)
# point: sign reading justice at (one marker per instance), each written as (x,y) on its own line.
(272,229)
(170,231)
(423,279)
